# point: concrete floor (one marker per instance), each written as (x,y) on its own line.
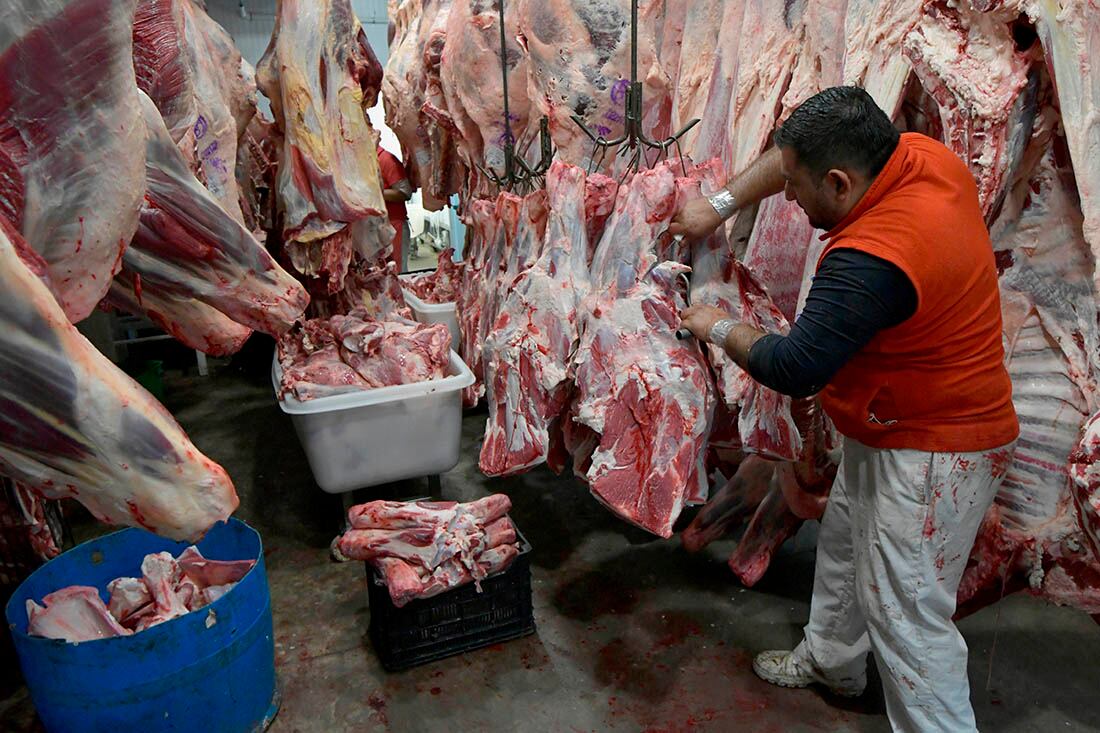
(633,633)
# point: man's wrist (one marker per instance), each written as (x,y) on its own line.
(723,203)
(720,331)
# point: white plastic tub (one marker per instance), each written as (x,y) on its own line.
(434,313)
(379,435)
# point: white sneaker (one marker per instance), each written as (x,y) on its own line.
(787,669)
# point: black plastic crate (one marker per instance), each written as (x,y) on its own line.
(455,622)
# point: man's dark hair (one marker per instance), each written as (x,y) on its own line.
(839,127)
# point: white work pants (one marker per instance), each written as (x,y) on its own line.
(894,542)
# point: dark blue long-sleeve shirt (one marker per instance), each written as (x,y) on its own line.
(854,295)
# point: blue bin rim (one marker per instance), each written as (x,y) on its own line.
(166,627)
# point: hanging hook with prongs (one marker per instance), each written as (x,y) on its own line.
(516,169)
(634,137)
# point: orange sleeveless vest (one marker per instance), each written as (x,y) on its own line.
(936,382)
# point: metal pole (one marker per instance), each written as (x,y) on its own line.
(504,80)
(633,41)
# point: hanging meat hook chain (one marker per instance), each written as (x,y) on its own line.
(516,169)
(633,137)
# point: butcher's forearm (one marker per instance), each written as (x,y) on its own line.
(760,180)
(740,341)
(394,196)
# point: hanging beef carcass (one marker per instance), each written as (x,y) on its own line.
(441,134)
(528,352)
(189,247)
(483,228)
(190,68)
(645,394)
(73,425)
(473,86)
(1035,537)
(71,183)
(501,223)
(696,67)
(580,65)
(257,166)
(321,75)
(401,88)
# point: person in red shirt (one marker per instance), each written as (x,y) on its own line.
(396,190)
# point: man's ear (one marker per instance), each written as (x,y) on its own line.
(839,183)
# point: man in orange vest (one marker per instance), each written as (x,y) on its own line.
(901,337)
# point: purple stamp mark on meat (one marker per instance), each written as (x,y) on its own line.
(618,91)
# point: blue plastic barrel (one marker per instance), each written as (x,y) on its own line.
(210,670)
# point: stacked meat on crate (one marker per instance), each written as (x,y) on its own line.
(424,548)
(570,294)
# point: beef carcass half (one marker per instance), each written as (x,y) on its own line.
(470,72)
(73,426)
(71,139)
(1070,35)
(528,354)
(187,245)
(968,61)
(190,68)
(321,75)
(1034,537)
(484,228)
(402,86)
(580,65)
(448,170)
(647,395)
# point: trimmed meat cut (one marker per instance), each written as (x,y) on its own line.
(442,284)
(169,587)
(323,357)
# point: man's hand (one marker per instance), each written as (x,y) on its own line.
(696,220)
(699,318)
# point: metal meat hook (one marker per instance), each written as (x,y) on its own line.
(634,137)
(516,170)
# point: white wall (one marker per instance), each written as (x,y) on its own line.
(252,34)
